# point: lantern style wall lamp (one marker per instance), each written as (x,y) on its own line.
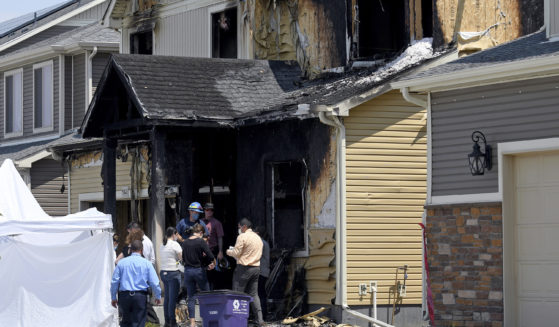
(479,161)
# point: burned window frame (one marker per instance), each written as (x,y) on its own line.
(271,179)
(220,9)
(137,33)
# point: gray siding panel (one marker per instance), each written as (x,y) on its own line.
(68,93)
(56,90)
(27,100)
(79,89)
(46,181)
(99,63)
(2,104)
(504,113)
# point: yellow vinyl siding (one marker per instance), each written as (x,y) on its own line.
(386,170)
(88,180)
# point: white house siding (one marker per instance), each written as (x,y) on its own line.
(184,34)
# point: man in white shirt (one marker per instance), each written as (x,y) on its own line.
(148,251)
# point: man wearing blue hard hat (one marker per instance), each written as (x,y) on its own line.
(184,227)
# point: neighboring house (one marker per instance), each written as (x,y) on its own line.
(492,238)
(50,63)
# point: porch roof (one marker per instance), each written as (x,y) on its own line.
(190,89)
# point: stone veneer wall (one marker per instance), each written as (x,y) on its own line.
(464,249)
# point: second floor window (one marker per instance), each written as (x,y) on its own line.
(42,96)
(13,103)
(224,34)
(141,43)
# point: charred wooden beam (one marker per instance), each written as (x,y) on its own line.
(157,186)
(109,177)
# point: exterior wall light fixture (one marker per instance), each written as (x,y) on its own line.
(479,161)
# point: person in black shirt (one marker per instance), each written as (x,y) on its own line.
(197,257)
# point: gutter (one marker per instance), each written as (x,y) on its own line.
(427,105)
(341,232)
(90,75)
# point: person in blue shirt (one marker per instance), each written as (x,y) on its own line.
(184,227)
(132,277)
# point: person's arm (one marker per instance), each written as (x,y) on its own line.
(153,281)
(209,255)
(120,256)
(206,232)
(238,249)
(219,233)
(115,282)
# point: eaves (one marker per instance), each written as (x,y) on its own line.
(491,74)
(342,108)
(23,58)
(50,24)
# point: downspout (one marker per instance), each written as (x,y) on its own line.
(427,105)
(90,75)
(341,245)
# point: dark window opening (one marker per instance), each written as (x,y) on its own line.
(427,17)
(288,223)
(224,34)
(381,28)
(141,43)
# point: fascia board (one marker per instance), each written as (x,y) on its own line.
(54,22)
(516,70)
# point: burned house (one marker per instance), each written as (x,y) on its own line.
(334,167)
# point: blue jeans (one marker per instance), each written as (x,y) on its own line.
(192,277)
(171,282)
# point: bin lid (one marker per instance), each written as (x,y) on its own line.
(221,292)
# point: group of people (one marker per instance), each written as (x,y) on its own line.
(189,253)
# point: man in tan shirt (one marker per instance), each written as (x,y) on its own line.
(247,251)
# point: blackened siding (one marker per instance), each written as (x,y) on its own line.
(506,112)
(46,182)
(79,89)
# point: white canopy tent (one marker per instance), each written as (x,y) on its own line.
(53,271)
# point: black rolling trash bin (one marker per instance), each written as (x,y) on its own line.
(224,308)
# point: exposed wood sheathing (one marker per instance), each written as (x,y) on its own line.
(509,18)
(311,32)
(386,178)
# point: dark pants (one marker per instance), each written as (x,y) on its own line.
(133,308)
(245,279)
(262,294)
(192,277)
(171,282)
(213,275)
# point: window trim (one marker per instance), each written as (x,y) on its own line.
(6,74)
(40,66)
(219,8)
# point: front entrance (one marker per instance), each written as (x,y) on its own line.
(534,241)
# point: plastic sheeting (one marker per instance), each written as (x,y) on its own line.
(53,271)
(57,285)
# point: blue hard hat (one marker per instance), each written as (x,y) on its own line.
(195,206)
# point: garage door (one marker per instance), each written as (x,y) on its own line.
(536,229)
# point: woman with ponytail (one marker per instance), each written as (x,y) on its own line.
(170,254)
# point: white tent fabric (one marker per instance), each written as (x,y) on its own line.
(17,202)
(54,271)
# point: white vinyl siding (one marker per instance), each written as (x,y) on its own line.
(13,103)
(43,102)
